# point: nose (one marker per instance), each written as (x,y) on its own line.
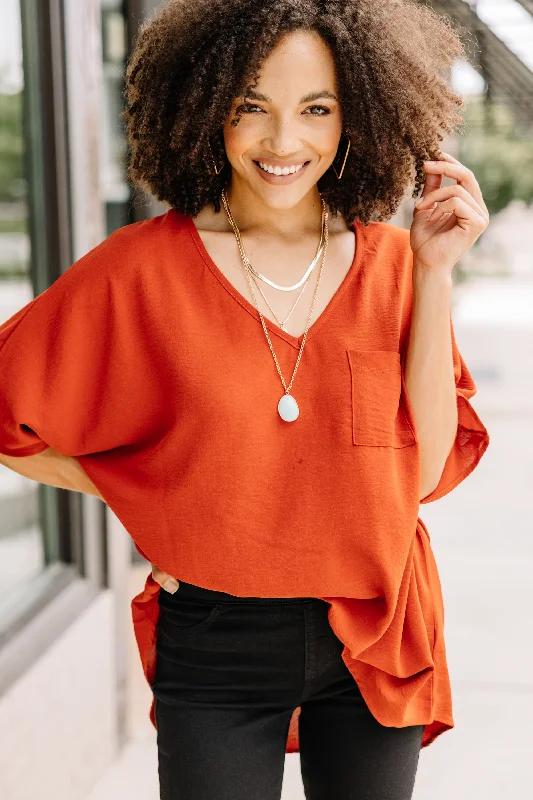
(283,137)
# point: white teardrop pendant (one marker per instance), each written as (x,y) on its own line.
(288,408)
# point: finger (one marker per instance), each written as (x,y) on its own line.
(444,193)
(467,217)
(431,182)
(470,182)
(166,581)
(453,160)
(170,584)
(449,157)
(452,168)
(463,211)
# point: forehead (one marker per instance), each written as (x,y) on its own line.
(300,59)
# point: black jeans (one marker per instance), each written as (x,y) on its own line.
(229,673)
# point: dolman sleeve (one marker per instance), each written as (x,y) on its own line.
(72,361)
(471,439)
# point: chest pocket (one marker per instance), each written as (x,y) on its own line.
(381,413)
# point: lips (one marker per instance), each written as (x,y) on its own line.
(280,169)
(269,177)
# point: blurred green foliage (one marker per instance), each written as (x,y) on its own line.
(500,156)
(11,147)
(13,188)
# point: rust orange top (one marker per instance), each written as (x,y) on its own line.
(145,364)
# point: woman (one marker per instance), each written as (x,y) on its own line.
(263,384)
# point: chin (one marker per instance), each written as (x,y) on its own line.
(282,197)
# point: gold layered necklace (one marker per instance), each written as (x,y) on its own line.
(281,322)
(304,280)
(304,277)
(287,406)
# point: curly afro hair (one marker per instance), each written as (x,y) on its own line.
(194,57)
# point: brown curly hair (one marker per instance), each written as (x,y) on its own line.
(194,57)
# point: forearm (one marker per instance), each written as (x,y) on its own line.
(53,469)
(429,375)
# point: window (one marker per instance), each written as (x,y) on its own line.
(21,541)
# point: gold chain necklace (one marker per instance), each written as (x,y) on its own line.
(306,274)
(283,322)
(305,280)
(287,406)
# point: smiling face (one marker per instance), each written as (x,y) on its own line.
(291,124)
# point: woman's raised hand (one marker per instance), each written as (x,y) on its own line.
(447,219)
(166,581)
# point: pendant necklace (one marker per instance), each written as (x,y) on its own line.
(287,406)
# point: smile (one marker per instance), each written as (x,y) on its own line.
(280,170)
(280,175)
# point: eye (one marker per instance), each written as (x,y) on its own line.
(245,108)
(324,111)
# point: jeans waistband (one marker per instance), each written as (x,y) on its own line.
(210,595)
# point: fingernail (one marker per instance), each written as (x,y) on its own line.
(170,586)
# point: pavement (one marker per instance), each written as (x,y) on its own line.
(481,534)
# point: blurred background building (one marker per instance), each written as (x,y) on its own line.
(73,701)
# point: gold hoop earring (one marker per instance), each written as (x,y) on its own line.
(217,171)
(345,158)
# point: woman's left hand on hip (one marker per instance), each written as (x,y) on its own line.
(447,219)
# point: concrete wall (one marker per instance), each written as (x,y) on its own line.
(58,720)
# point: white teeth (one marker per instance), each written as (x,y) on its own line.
(280,170)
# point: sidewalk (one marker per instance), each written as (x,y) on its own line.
(481,534)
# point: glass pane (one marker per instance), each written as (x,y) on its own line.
(115,189)
(21,542)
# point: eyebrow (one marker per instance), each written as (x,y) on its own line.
(252,95)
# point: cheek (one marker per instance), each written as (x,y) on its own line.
(239,139)
(327,139)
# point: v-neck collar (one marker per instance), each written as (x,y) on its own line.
(294,341)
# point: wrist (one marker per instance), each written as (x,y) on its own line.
(424,275)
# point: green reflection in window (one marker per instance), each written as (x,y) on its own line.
(14,242)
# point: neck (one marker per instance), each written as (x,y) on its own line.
(251,213)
